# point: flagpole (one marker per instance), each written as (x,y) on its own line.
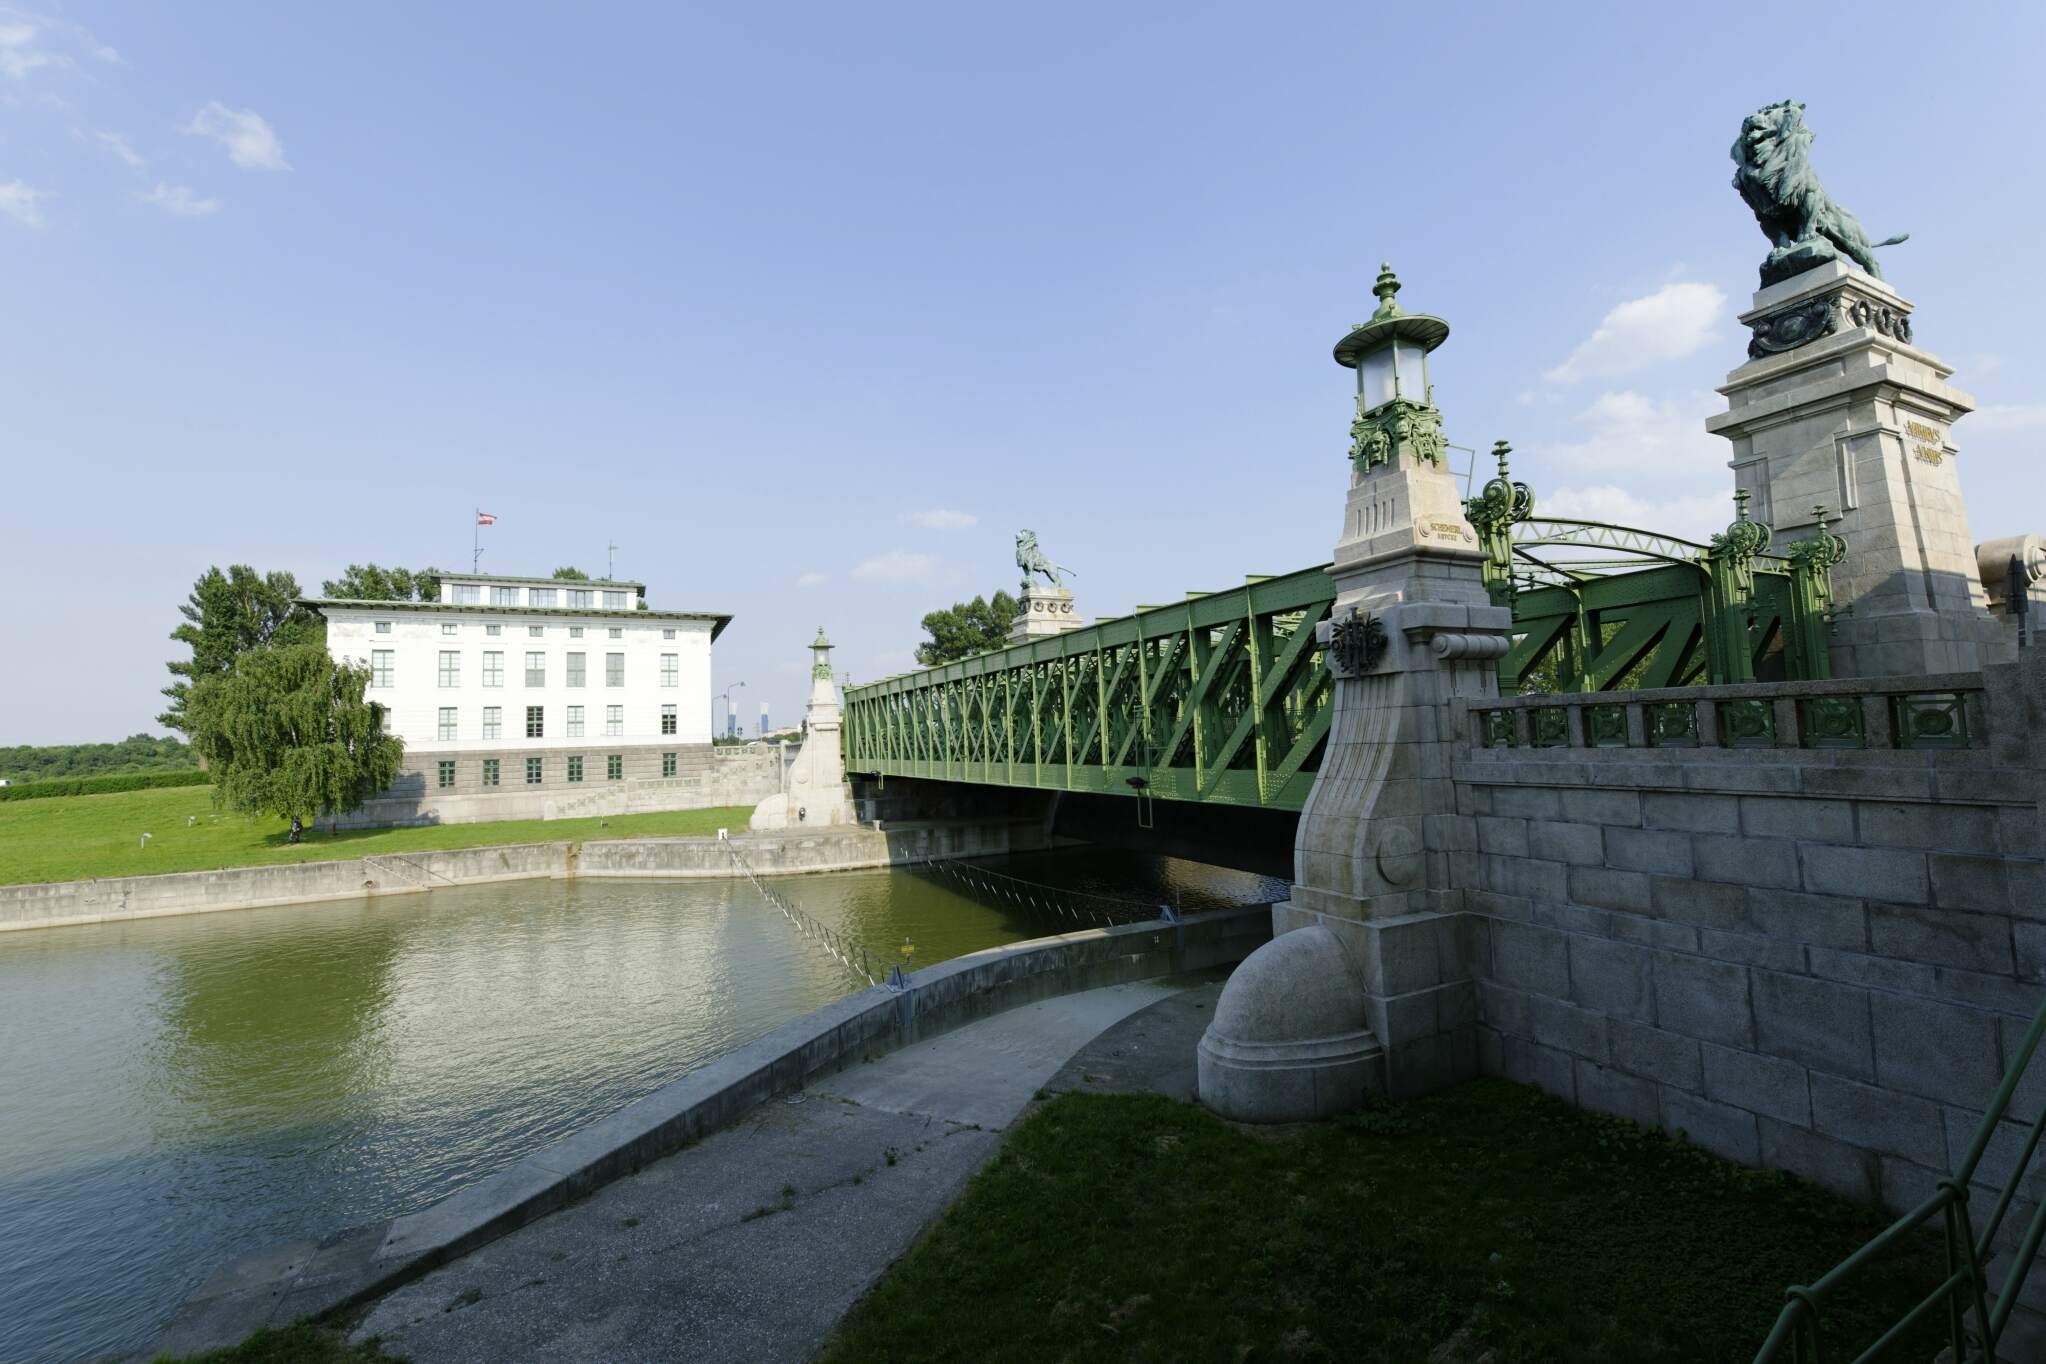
(476,540)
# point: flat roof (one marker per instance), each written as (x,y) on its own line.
(719,619)
(448,577)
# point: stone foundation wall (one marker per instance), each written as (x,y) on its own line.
(1814,959)
(705,777)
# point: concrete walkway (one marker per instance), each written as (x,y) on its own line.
(751,1245)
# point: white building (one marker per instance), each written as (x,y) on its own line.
(519,698)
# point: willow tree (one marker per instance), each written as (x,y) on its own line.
(290,732)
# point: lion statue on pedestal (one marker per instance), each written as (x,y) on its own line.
(1034,561)
(1774,175)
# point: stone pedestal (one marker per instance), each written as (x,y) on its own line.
(1045,611)
(1836,406)
(817,790)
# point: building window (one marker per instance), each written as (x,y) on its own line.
(536,670)
(493,668)
(667,632)
(614,601)
(575,722)
(504,596)
(493,722)
(575,632)
(614,670)
(447,724)
(579,597)
(533,771)
(536,722)
(540,596)
(380,667)
(447,629)
(614,719)
(667,670)
(667,719)
(490,771)
(535,631)
(383,627)
(450,668)
(447,773)
(493,629)
(468,594)
(575,669)
(617,632)
(614,766)
(575,768)
(667,764)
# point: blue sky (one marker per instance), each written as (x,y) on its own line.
(810,307)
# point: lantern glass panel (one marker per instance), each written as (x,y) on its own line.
(1412,376)
(1374,377)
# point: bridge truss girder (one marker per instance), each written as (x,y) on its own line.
(1222,698)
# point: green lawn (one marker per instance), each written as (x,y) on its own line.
(1489,1224)
(67,838)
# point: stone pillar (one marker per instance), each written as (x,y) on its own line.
(1412,628)
(1044,611)
(1837,408)
(817,791)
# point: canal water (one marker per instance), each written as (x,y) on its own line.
(177,1092)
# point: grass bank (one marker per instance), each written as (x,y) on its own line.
(1487,1225)
(302,1343)
(69,838)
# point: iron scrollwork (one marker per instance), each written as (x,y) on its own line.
(1356,642)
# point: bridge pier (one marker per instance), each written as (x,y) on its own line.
(1412,630)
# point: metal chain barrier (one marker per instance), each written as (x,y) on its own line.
(843,950)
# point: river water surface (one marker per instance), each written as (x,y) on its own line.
(177,1092)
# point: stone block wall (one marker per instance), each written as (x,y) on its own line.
(1813,959)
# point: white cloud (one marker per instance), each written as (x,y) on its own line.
(180,201)
(2008,417)
(939,519)
(896,566)
(1689,516)
(250,140)
(812,579)
(118,145)
(1654,438)
(19,54)
(1674,321)
(23,202)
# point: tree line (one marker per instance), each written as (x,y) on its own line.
(136,753)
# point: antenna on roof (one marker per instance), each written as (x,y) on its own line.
(610,563)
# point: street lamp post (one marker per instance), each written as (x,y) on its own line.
(724,705)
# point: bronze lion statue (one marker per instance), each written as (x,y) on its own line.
(1773,172)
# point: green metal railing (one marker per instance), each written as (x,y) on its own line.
(1221,698)
(1975,1320)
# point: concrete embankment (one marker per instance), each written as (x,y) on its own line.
(310,1278)
(60,903)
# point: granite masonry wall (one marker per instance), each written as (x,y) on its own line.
(1813,958)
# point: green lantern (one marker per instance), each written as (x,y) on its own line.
(1395,398)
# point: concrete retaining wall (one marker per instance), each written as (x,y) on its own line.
(1818,960)
(287,1282)
(64,903)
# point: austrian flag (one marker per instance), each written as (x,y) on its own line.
(484,518)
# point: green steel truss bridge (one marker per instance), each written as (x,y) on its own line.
(1225,697)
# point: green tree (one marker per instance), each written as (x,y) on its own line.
(571,575)
(966,628)
(136,753)
(288,731)
(226,615)
(370,582)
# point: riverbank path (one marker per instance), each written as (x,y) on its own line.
(751,1245)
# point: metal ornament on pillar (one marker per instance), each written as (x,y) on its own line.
(1360,988)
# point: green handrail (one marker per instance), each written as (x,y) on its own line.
(1973,1325)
